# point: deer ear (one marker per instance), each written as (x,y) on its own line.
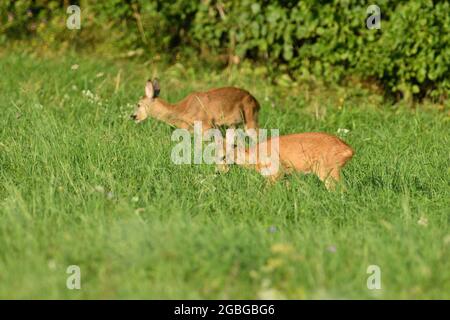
(149,90)
(156,87)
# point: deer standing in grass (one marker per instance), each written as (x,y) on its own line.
(311,152)
(227,106)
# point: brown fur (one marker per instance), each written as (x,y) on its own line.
(224,106)
(311,152)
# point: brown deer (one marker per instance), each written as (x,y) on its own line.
(227,106)
(311,152)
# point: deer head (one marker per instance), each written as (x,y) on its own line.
(147,102)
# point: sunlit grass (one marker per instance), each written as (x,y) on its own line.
(82,185)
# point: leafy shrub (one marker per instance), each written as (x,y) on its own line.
(409,55)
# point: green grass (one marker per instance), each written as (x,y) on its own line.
(82,185)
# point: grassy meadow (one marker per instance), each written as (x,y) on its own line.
(81,184)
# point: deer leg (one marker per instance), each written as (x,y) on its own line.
(273,178)
(250,118)
(222,167)
(205,127)
(330,177)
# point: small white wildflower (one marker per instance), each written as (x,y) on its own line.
(423,221)
(87,93)
(343,131)
(267,292)
(270,294)
(92,98)
(447,240)
(74,67)
(52,264)
(331,249)
(99,189)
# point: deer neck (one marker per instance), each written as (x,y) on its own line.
(167,112)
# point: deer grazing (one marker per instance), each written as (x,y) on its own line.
(227,106)
(312,152)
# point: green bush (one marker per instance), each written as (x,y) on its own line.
(409,55)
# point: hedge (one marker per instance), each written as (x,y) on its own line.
(409,55)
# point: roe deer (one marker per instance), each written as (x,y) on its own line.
(224,106)
(311,152)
